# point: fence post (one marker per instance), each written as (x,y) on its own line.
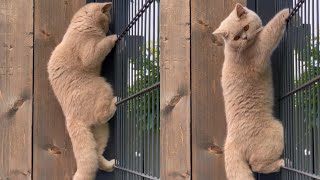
(175,160)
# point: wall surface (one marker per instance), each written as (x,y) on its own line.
(175,150)
(16,59)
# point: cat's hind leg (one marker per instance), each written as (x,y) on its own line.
(268,149)
(106,110)
(84,149)
(237,168)
(112,108)
(101,134)
(267,167)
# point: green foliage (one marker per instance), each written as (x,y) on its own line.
(145,72)
(306,100)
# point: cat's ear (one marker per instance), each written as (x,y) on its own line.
(240,10)
(218,36)
(106,7)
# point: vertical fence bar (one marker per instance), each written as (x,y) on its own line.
(300,103)
(149,94)
(145,98)
(297,160)
(310,70)
(314,73)
(318,86)
(158,91)
(136,84)
(303,92)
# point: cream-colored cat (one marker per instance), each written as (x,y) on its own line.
(254,136)
(86,98)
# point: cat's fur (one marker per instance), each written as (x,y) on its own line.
(86,98)
(254,136)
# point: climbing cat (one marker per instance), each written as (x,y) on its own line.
(86,99)
(254,136)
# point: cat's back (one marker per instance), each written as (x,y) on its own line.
(61,59)
(65,69)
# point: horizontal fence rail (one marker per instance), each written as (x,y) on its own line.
(137,86)
(300,90)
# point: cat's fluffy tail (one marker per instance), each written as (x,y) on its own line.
(237,168)
(84,149)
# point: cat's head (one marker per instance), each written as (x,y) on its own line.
(239,29)
(94,15)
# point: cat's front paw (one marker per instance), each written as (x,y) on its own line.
(113,38)
(284,14)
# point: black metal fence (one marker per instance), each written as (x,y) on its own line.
(137,82)
(300,91)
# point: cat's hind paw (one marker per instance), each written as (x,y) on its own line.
(107,165)
(115,99)
(282,163)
